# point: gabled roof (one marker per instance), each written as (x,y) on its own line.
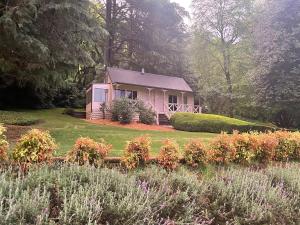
(122,76)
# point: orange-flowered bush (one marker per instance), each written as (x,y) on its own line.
(168,156)
(3,144)
(222,149)
(242,149)
(35,146)
(88,151)
(195,153)
(137,152)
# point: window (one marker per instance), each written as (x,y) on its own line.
(172,99)
(126,93)
(100,95)
(185,100)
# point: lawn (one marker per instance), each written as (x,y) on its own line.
(66,129)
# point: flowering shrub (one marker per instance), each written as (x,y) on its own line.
(222,149)
(195,153)
(242,151)
(88,151)
(3,144)
(35,146)
(137,152)
(169,155)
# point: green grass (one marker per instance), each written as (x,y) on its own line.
(17,118)
(66,129)
(214,123)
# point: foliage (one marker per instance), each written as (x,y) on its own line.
(3,144)
(123,110)
(195,153)
(36,146)
(222,149)
(168,156)
(212,123)
(137,152)
(17,118)
(243,149)
(146,115)
(264,145)
(43,44)
(276,41)
(151,196)
(88,151)
(221,50)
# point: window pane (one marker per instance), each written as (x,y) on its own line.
(129,94)
(99,95)
(134,95)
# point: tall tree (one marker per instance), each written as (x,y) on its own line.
(149,34)
(277,44)
(220,27)
(42,41)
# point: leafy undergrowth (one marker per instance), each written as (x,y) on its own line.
(88,195)
(17,118)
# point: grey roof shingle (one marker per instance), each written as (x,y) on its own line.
(122,76)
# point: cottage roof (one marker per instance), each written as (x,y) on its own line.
(122,76)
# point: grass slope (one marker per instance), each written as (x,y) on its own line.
(66,129)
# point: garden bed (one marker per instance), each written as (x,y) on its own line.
(133,125)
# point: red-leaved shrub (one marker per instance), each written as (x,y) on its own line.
(195,153)
(168,156)
(222,149)
(88,151)
(137,152)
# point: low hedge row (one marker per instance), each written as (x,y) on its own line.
(38,146)
(213,123)
(16,118)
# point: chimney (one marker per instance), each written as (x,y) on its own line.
(143,71)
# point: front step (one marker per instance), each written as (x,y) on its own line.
(163,119)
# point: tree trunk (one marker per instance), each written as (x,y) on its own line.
(226,59)
(109,44)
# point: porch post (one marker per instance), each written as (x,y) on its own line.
(164,100)
(182,102)
(149,95)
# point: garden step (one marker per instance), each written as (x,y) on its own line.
(163,119)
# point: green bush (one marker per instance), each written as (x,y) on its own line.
(123,110)
(17,118)
(147,116)
(213,123)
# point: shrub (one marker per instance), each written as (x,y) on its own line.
(213,123)
(3,144)
(195,153)
(147,116)
(88,151)
(222,149)
(137,152)
(123,110)
(35,146)
(263,145)
(288,146)
(169,155)
(242,149)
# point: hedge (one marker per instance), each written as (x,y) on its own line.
(213,123)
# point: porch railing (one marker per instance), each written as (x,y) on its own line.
(174,107)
